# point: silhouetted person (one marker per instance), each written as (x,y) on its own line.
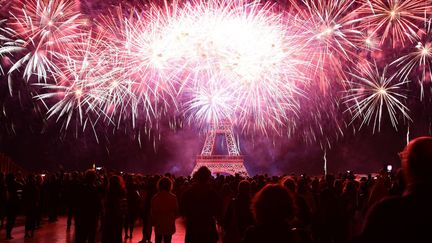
(200,207)
(238,216)
(303,214)
(30,204)
(273,208)
(88,208)
(349,203)
(12,203)
(52,197)
(226,195)
(38,211)
(3,193)
(71,194)
(406,218)
(164,211)
(150,192)
(379,190)
(398,184)
(328,215)
(305,193)
(133,200)
(363,196)
(115,210)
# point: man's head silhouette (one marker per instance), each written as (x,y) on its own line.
(202,175)
(417,161)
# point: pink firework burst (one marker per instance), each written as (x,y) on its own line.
(394,21)
(419,58)
(181,49)
(85,85)
(44,28)
(332,33)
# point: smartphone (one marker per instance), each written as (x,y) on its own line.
(389,168)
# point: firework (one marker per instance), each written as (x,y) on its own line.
(374,95)
(187,52)
(393,20)
(420,56)
(211,61)
(45,28)
(8,46)
(145,59)
(86,84)
(320,120)
(331,29)
(252,54)
(4,40)
(209,105)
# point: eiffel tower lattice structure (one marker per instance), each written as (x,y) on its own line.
(228,164)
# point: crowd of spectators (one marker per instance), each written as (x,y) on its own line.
(230,209)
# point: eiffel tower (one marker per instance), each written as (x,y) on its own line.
(228,164)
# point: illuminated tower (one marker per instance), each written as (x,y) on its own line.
(232,163)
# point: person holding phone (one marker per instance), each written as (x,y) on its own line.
(406,218)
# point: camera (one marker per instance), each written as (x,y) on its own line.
(349,175)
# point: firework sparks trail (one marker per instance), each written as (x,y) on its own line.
(374,94)
(8,46)
(214,60)
(196,48)
(393,20)
(419,58)
(86,83)
(209,106)
(145,58)
(408,135)
(256,57)
(44,28)
(5,34)
(318,125)
(332,32)
(154,63)
(325,161)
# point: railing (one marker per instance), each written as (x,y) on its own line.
(220,157)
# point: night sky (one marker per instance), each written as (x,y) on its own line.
(37,144)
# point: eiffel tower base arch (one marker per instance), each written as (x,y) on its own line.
(222,164)
(232,163)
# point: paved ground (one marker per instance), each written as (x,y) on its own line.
(56,233)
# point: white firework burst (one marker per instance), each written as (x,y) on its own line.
(419,58)
(373,95)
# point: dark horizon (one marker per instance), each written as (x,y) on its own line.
(176,151)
